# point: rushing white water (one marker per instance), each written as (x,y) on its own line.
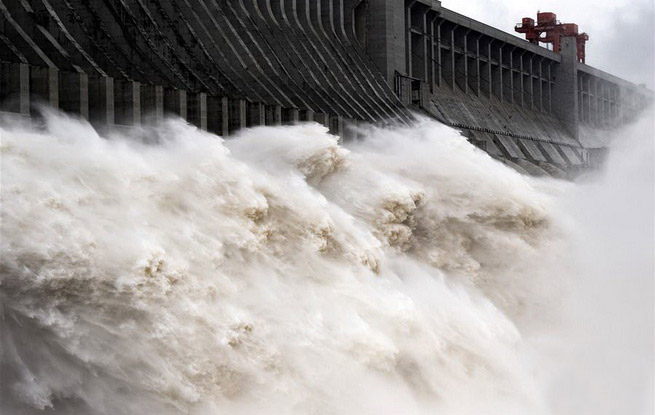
(167,271)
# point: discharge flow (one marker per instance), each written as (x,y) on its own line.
(166,271)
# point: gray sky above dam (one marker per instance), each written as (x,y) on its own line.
(622,32)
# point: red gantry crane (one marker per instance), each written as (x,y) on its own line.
(549,30)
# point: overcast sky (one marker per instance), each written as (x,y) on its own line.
(622,32)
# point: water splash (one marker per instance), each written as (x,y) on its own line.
(163,270)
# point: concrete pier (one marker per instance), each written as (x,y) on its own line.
(323,119)
(127,103)
(15,88)
(44,86)
(74,93)
(306,115)
(101,100)
(256,114)
(290,116)
(336,125)
(175,102)
(273,115)
(218,116)
(152,103)
(197,109)
(237,115)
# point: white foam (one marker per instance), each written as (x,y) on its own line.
(278,272)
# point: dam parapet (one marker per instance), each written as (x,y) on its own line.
(225,65)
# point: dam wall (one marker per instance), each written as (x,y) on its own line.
(514,99)
(222,65)
(228,64)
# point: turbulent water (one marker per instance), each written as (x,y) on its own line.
(166,271)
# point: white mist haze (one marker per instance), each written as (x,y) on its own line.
(168,271)
(609,367)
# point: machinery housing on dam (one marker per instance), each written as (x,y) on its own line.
(229,64)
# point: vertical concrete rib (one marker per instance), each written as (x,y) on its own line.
(432,56)
(488,69)
(450,58)
(408,35)
(439,63)
(475,70)
(499,88)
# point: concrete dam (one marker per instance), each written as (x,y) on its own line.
(229,64)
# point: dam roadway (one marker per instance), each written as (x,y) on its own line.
(229,64)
